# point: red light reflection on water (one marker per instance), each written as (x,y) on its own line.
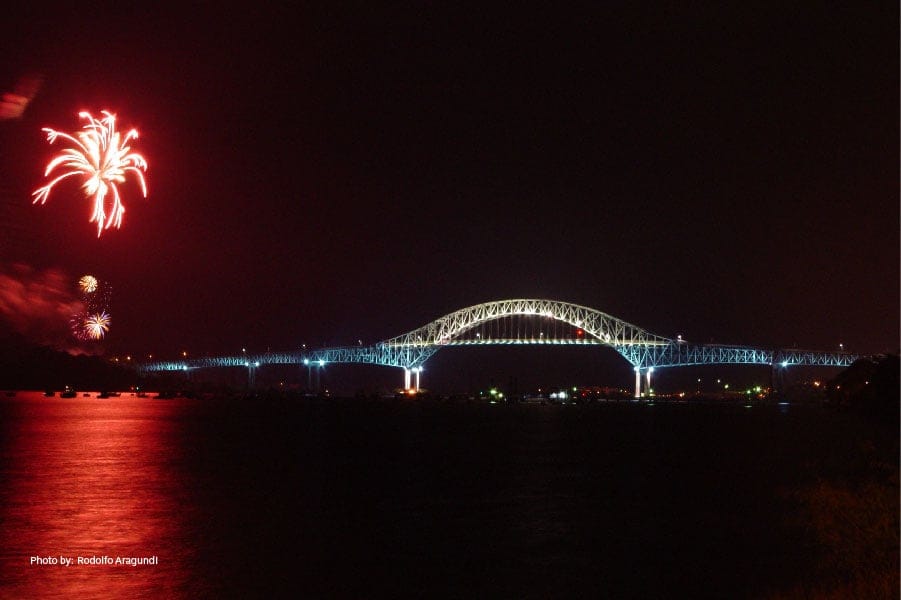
(87,477)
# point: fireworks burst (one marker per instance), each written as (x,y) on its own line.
(102,156)
(94,322)
(96,325)
(88,284)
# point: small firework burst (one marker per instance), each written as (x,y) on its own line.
(96,325)
(88,284)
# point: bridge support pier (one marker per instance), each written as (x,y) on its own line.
(417,371)
(638,382)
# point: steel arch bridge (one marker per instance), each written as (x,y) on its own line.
(524,321)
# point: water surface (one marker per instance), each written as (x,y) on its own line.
(348,498)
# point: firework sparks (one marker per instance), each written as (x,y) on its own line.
(88,284)
(96,325)
(102,157)
(93,322)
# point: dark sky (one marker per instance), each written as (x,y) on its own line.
(323,175)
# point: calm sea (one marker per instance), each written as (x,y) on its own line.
(360,499)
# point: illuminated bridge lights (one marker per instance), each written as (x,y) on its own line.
(525,322)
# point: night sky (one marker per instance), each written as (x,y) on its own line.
(324,175)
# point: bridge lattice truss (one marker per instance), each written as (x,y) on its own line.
(508,322)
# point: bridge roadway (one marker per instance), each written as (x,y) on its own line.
(643,350)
